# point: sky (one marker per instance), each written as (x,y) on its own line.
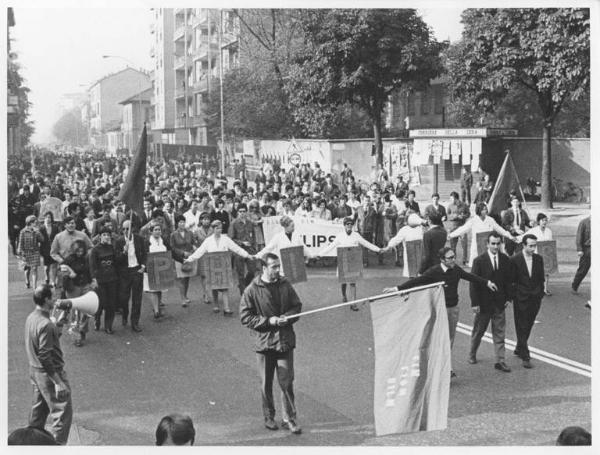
(60,50)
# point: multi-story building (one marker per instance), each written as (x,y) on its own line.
(136,112)
(200,38)
(162,101)
(417,109)
(105,96)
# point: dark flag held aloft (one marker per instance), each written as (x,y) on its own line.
(132,191)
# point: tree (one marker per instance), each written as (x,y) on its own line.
(16,86)
(69,129)
(360,57)
(546,51)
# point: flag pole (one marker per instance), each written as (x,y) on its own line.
(366,300)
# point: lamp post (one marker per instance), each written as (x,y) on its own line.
(139,99)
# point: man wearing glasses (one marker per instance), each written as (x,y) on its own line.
(448,272)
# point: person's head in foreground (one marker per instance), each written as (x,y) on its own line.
(31,436)
(175,430)
(574,436)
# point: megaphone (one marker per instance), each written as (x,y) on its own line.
(88,303)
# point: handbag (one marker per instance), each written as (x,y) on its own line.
(187,267)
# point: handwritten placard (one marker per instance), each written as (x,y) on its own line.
(54,205)
(414,256)
(547,250)
(292,262)
(218,270)
(349,263)
(161,271)
(482,239)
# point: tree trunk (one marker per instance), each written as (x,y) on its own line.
(546,166)
(377,136)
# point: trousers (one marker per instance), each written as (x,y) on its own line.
(452,322)
(283,363)
(107,297)
(131,283)
(480,324)
(45,403)
(585,263)
(525,312)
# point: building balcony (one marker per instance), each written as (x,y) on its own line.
(201,85)
(179,92)
(201,52)
(197,120)
(181,122)
(181,31)
(179,62)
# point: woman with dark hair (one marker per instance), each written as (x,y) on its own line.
(183,243)
(181,206)
(76,281)
(543,233)
(48,230)
(103,270)
(175,430)
(30,241)
(321,212)
(305,209)
(155,244)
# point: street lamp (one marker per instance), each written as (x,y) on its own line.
(107,56)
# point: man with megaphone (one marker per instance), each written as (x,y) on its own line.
(51,390)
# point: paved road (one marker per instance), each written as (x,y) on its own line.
(202,364)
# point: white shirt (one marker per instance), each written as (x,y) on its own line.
(212,245)
(476,225)
(192,219)
(406,234)
(131,257)
(345,240)
(280,241)
(542,236)
(528,262)
(492,256)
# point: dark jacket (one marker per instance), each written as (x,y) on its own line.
(525,288)
(257,306)
(583,239)
(103,263)
(481,295)
(47,239)
(508,218)
(450,278)
(141,252)
(433,240)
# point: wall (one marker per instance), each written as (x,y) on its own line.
(570,159)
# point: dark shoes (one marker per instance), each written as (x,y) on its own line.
(97,325)
(502,367)
(227,313)
(472,359)
(527,364)
(109,331)
(452,374)
(354,307)
(271,425)
(292,426)
(136,328)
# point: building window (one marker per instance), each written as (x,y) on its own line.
(411,104)
(438,94)
(425,102)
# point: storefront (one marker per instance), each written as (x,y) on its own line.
(438,155)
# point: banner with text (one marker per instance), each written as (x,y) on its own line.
(315,233)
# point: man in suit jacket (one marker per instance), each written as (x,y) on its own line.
(528,289)
(516,221)
(489,306)
(435,208)
(131,264)
(433,240)
(448,272)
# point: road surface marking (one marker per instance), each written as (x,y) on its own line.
(552,359)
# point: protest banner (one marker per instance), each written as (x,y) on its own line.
(161,271)
(53,205)
(349,264)
(482,238)
(414,256)
(547,250)
(412,361)
(292,263)
(218,270)
(315,233)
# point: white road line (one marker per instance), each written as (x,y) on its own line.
(552,359)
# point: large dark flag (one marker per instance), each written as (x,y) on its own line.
(508,180)
(132,191)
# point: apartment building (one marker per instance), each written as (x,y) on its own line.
(197,39)
(106,94)
(162,122)
(136,112)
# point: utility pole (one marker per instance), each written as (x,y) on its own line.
(220,31)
